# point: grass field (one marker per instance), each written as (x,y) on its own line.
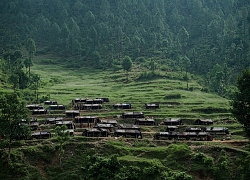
(167,89)
(64,85)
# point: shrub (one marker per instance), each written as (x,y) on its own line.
(173,96)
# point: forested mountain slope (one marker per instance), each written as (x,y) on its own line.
(208,38)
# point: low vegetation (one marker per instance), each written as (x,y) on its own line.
(121,158)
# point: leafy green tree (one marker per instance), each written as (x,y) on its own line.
(62,136)
(187,64)
(31,48)
(127,65)
(13,112)
(224,166)
(13,79)
(203,164)
(241,101)
(35,80)
(98,167)
(183,38)
(152,65)
(96,58)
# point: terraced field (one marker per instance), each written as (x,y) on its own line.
(64,85)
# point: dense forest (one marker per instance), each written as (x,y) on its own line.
(202,42)
(207,38)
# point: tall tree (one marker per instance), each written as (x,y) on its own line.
(241,101)
(127,65)
(12,113)
(35,79)
(152,65)
(31,48)
(62,136)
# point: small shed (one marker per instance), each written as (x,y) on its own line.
(161,135)
(95,132)
(50,102)
(128,126)
(105,121)
(172,121)
(217,130)
(69,124)
(34,106)
(109,127)
(41,135)
(39,111)
(132,115)
(88,106)
(122,106)
(72,113)
(171,128)
(127,133)
(79,100)
(193,129)
(105,99)
(152,106)
(53,120)
(87,119)
(94,101)
(205,136)
(146,121)
(203,122)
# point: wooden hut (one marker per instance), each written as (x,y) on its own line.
(41,135)
(127,133)
(152,106)
(105,121)
(203,122)
(172,121)
(132,115)
(128,126)
(95,132)
(72,113)
(122,106)
(146,121)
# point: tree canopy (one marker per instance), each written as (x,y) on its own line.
(241,101)
(207,32)
(127,65)
(14,119)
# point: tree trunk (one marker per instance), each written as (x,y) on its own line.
(127,76)
(187,79)
(9,149)
(29,71)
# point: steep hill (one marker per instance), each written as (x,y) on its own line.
(209,38)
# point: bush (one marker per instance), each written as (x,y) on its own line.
(203,164)
(173,96)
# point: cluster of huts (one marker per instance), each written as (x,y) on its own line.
(93,126)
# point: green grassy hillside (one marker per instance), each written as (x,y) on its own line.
(125,158)
(166,88)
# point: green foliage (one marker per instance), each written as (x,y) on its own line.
(127,64)
(62,136)
(217,49)
(241,101)
(203,164)
(176,152)
(177,175)
(172,96)
(12,113)
(101,168)
(224,166)
(140,60)
(148,75)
